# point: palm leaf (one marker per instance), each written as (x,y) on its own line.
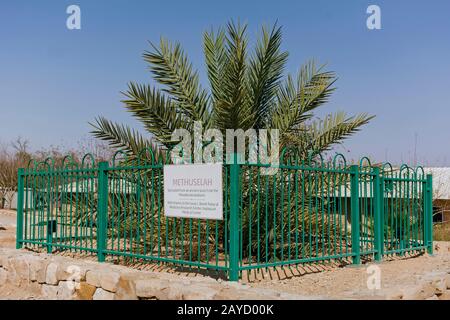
(265,71)
(333,129)
(124,138)
(216,61)
(157,113)
(171,67)
(297,99)
(232,111)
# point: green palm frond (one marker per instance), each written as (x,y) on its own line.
(286,112)
(171,67)
(247,91)
(265,71)
(333,129)
(156,112)
(316,86)
(216,60)
(233,110)
(297,99)
(124,138)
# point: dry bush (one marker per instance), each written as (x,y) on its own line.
(441,231)
(12,157)
(17,154)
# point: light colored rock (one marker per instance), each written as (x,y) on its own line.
(154,288)
(437,280)
(30,272)
(445,295)
(418,292)
(105,279)
(101,294)
(12,276)
(49,292)
(195,292)
(50,274)
(66,290)
(22,267)
(126,290)
(70,271)
(109,280)
(41,273)
(34,289)
(36,265)
(66,271)
(85,291)
(433,276)
(133,275)
(176,292)
(447,281)
(440,285)
(93,278)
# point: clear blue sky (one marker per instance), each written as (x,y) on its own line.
(53,81)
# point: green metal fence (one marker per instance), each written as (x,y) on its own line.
(308,212)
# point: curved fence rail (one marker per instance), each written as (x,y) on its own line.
(309,211)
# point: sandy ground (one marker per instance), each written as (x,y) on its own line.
(352,282)
(329,280)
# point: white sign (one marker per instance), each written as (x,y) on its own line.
(193,191)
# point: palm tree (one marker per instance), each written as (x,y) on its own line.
(246,91)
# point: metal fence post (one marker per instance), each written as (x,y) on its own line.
(429,214)
(234,219)
(377,208)
(20,191)
(102,208)
(48,193)
(354,205)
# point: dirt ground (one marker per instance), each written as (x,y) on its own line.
(351,282)
(329,281)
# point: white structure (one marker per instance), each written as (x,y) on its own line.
(441,192)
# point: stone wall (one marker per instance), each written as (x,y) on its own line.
(43,276)
(431,286)
(58,277)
